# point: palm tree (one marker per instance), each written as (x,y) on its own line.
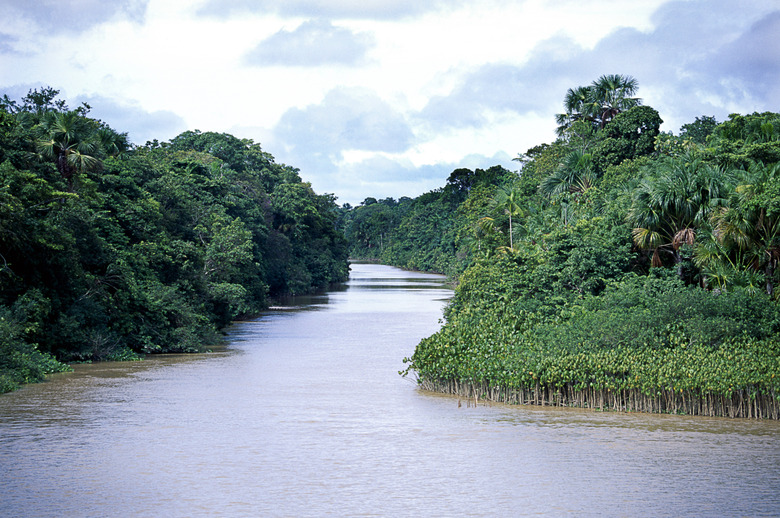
(598,103)
(578,107)
(723,267)
(612,94)
(508,200)
(574,175)
(481,230)
(671,205)
(749,225)
(114,144)
(70,141)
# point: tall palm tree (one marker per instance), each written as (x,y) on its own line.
(577,106)
(612,94)
(598,103)
(70,140)
(509,200)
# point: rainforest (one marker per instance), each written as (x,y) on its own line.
(619,267)
(110,251)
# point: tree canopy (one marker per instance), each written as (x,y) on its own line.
(599,102)
(108,251)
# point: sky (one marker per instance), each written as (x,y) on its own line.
(385,98)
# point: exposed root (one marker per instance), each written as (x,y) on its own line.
(666,401)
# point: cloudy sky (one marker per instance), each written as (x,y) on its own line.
(385,97)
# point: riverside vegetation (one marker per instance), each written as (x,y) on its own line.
(109,251)
(622,268)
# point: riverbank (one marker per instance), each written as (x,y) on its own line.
(495,362)
(644,345)
(739,404)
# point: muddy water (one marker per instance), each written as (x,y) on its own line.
(304,414)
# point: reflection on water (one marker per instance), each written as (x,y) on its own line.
(304,414)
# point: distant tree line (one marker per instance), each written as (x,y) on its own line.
(433,232)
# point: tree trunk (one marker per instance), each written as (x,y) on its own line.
(511,242)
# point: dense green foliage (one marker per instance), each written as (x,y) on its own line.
(620,264)
(643,333)
(107,252)
(436,232)
(620,260)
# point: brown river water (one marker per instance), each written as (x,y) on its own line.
(304,414)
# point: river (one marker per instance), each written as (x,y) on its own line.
(304,414)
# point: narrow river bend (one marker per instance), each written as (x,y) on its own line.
(304,414)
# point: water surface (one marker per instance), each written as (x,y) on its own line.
(304,414)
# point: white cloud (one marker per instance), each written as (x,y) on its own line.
(347,118)
(405,89)
(376,9)
(70,17)
(381,176)
(7,43)
(753,59)
(313,43)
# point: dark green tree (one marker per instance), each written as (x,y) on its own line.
(699,130)
(631,134)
